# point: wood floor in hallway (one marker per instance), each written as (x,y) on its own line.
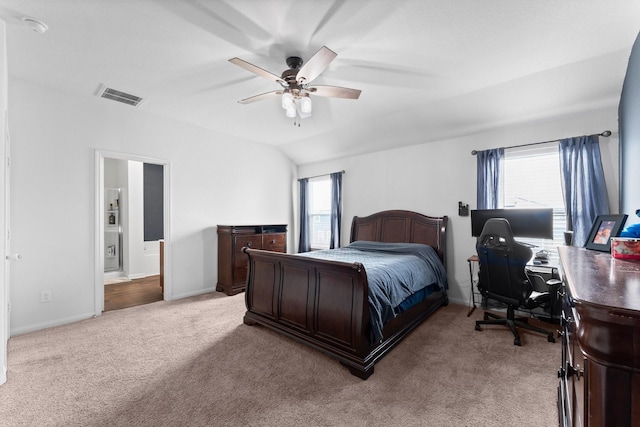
(132,293)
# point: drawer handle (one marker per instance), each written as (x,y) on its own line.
(250,244)
(273,241)
(577,371)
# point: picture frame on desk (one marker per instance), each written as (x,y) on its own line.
(603,229)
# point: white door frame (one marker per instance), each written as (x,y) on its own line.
(100,155)
(5,266)
(4,213)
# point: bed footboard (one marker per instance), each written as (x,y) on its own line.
(324,304)
(320,303)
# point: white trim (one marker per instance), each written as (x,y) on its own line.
(5,299)
(100,155)
(195,293)
(99,235)
(51,324)
(5,248)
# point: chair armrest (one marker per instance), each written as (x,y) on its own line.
(553,283)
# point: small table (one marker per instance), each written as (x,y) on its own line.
(473,260)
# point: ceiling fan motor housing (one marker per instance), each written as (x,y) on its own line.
(294,62)
(289,76)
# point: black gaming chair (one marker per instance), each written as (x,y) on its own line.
(502,277)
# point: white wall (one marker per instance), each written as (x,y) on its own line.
(135,221)
(432,178)
(150,258)
(216,179)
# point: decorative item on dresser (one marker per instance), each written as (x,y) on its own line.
(600,372)
(331,304)
(232,263)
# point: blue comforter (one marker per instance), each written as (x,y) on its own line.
(395,271)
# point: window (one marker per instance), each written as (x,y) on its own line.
(532,180)
(320,213)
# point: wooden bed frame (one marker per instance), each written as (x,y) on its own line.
(324,304)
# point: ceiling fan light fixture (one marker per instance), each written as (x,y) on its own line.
(287,100)
(305,105)
(291,111)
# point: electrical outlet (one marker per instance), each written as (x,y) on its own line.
(45,296)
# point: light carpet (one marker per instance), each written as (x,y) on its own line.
(192,362)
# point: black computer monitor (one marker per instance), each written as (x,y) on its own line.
(532,223)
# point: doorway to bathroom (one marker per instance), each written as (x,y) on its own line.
(132,231)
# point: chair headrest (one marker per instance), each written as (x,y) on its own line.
(498,228)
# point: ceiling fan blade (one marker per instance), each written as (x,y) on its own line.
(260,97)
(316,65)
(257,70)
(335,92)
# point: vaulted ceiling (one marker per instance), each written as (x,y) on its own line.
(428,69)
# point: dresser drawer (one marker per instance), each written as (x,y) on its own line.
(274,242)
(252,241)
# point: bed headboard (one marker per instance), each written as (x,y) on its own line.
(399,226)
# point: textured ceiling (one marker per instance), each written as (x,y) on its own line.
(428,69)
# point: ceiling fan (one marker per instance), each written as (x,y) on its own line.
(295,82)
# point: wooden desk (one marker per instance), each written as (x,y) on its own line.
(600,372)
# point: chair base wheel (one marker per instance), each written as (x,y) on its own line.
(513,323)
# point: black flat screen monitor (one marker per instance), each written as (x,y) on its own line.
(532,223)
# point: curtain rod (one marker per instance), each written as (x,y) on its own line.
(606,134)
(318,176)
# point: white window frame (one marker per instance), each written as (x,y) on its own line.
(545,180)
(318,238)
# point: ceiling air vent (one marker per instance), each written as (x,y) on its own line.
(119,96)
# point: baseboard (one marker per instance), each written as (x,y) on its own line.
(458,301)
(190,294)
(46,325)
(3,375)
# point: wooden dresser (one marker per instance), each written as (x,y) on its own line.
(232,262)
(600,372)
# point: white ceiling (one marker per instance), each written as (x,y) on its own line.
(428,69)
